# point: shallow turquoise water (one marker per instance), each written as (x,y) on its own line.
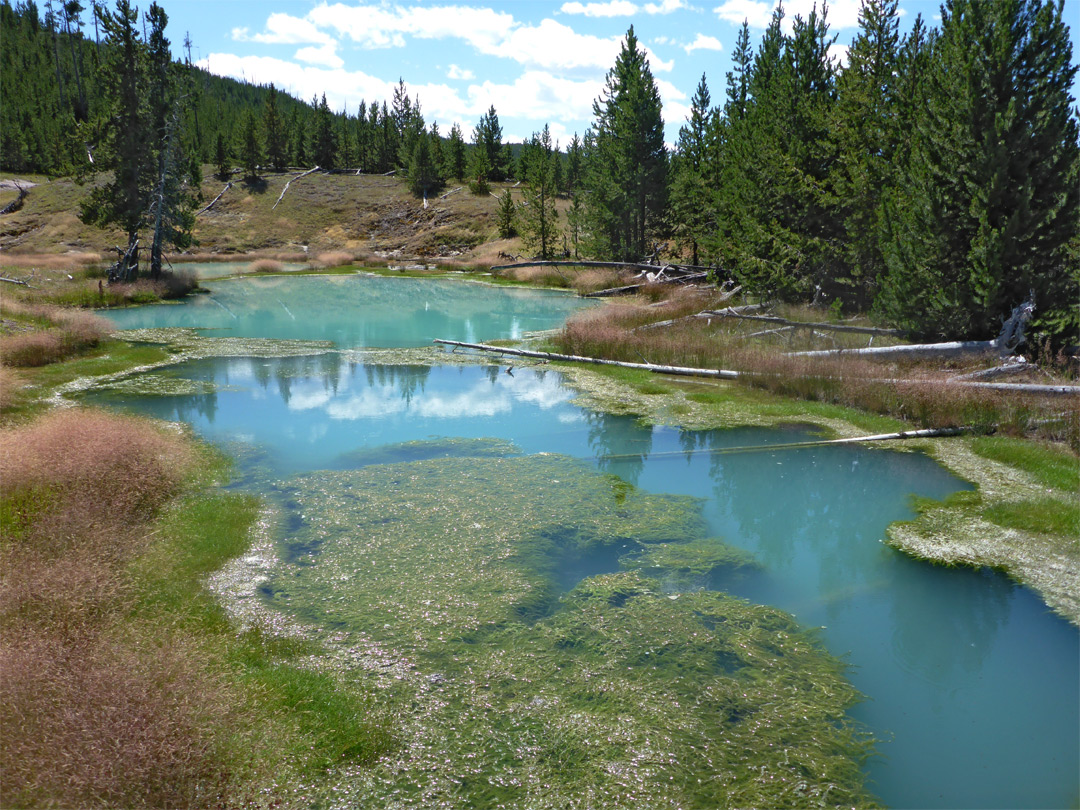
(357,310)
(971,684)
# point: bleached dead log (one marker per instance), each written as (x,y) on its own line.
(17,203)
(585,263)
(995,372)
(726,374)
(305,174)
(14,281)
(573,358)
(935,351)
(218,197)
(863,330)
(632,288)
(452,191)
(780,330)
(658,324)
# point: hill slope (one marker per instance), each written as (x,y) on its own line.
(364,214)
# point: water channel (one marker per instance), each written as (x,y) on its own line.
(970,683)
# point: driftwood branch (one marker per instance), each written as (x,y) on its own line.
(863,330)
(218,197)
(959,348)
(452,191)
(17,203)
(677,370)
(725,374)
(676,268)
(633,288)
(14,281)
(304,174)
(995,372)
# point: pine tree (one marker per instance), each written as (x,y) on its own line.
(222,158)
(250,148)
(127,147)
(574,165)
(689,194)
(324,147)
(506,217)
(487,135)
(277,141)
(423,171)
(455,154)
(537,216)
(865,124)
(990,199)
(626,162)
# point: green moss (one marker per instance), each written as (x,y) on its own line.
(1051,466)
(423,450)
(1043,515)
(508,689)
(692,565)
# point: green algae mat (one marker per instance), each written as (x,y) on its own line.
(456,589)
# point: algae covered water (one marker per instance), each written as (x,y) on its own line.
(564,606)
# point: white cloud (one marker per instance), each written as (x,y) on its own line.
(549,45)
(378,26)
(301,81)
(458,73)
(324,55)
(703,43)
(536,95)
(613,8)
(284,29)
(665,6)
(758,13)
(622,8)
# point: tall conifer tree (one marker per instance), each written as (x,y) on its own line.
(626,162)
(990,200)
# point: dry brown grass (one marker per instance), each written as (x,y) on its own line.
(916,392)
(49,261)
(325,261)
(92,718)
(91,722)
(265,266)
(95,469)
(63,333)
(10,385)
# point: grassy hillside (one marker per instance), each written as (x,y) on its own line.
(368,215)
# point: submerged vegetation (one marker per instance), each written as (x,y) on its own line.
(516,682)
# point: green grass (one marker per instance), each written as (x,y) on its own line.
(110,357)
(1050,466)
(317,721)
(1043,515)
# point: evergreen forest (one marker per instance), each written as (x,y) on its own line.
(932,180)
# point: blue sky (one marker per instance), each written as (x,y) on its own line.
(536,62)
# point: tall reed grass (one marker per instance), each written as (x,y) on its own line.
(91,718)
(915,392)
(61,333)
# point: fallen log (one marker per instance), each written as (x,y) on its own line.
(17,203)
(305,174)
(218,197)
(572,358)
(14,281)
(726,374)
(585,263)
(862,330)
(995,372)
(632,288)
(925,433)
(937,351)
